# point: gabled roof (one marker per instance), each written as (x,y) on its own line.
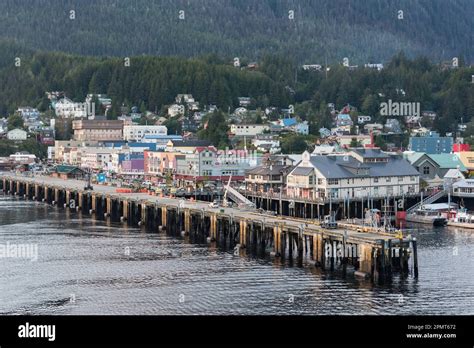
(338,167)
(302,171)
(275,169)
(447,160)
(413,157)
(453,174)
(65,169)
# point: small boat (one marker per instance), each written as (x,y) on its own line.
(462,219)
(427,216)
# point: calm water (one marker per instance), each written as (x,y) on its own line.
(88,267)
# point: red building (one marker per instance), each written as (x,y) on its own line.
(461,147)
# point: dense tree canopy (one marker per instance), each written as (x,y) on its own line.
(307,30)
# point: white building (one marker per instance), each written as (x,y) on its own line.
(66,108)
(252,130)
(360,173)
(17,134)
(175,110)
(97,157)
(22,158)
(137,133)
(267,143)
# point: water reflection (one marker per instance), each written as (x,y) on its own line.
(97,267)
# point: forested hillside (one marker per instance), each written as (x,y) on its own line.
(149,81)
(361,30)
(153,82)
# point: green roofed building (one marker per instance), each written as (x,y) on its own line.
(68,172)
(433,167)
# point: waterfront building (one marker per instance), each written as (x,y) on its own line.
(68,172)
(96,158)
(270,176)
(360,173)
(60,146)
(434,167)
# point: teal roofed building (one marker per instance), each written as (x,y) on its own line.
(434,167)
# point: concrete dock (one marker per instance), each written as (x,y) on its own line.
(373,254)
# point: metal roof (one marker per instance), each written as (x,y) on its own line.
(335,167)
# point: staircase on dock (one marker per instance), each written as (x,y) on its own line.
(428,200)
(238,198)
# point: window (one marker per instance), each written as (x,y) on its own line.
(376,179)
(400,178)
(426,170)
(333,181)
(320,181)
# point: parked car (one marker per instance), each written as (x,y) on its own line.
(213,205)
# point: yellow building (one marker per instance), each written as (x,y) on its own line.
(467,158)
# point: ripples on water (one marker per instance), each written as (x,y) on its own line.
(91,267)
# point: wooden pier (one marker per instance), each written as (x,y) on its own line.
(371,254)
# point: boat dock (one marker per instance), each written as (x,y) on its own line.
(372,253)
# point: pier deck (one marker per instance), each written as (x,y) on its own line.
(373,253)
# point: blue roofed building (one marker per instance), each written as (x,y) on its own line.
(161,140)
(431,143)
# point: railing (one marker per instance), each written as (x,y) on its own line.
(326,199)
(428,200)
(237,197)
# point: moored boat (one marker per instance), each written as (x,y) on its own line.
(462,219)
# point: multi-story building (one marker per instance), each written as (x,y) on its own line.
(137,133)
(127,163)
(270,176)
(97,130)
(97,158)
(431,143)
(60,146)
(434,167)
(160,164)
(358,174)
(203,163)
(66,108)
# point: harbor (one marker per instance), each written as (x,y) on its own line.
(369,253)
